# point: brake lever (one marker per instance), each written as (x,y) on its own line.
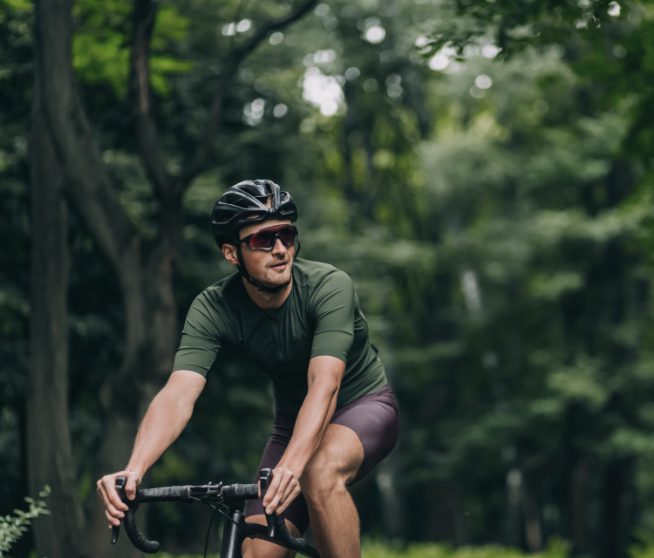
(115,531)
(120,488)
(265,478)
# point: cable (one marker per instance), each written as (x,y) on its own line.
(206,540)
(216,510)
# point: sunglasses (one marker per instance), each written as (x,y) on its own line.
(265,239)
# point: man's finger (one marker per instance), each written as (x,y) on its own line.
(284,481)
(292,490)
(274,498)
(271,491)
(113,521)
(130,486)
(286,485)
(107,491)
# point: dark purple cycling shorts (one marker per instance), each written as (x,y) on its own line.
(373,417)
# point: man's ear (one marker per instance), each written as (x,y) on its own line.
(229,253)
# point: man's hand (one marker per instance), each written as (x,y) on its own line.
(283,489)
(115,508)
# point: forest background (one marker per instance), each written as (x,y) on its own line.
(481,168)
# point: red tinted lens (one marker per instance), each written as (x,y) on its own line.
(265,239)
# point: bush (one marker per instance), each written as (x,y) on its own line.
(13,526)
(645,546)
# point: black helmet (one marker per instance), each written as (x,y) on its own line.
(245,203)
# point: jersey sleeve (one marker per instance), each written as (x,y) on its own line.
(201,338)
(333,305)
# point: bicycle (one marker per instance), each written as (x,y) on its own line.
(218,497)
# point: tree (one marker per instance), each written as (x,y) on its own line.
(68,169)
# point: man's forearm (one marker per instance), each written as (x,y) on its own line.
(324,378)
(163,422)
(310,425)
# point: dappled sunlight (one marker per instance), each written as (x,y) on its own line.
(323,91)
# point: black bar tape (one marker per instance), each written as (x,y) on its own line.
(240,491)
(138,540)
(165,494)
(299,544)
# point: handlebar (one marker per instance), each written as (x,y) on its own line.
(231,494)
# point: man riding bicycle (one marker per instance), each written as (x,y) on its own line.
(300,321)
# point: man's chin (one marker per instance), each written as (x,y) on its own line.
(277,282)
(278,285)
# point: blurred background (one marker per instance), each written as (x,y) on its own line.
(481,168)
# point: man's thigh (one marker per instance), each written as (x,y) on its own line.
(375,420)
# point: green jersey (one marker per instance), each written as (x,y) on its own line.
(320,317)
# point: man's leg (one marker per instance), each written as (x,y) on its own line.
(256,548)
(334,517)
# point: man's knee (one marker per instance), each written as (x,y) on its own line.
(327,473)
(320,483)
(320,472)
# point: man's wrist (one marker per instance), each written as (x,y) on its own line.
(135,470)
(295,464)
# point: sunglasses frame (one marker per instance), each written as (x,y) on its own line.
(275,233)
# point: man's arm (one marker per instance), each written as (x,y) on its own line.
(163,422)
(324,378)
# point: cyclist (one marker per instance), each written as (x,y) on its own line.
(335,414)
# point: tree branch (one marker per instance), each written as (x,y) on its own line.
(144,19)
(200,158)
(259,36)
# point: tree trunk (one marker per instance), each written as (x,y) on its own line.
(64,156)
(581,470)
(50,459)
(616,519)
(151,325)
(390,496)
(531,512)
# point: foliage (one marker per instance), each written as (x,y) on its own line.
(555,549)
(377,549)
(13,526)
(644,548)
(101,51)
(485,177)
(515,26)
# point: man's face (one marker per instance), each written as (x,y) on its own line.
(270,267)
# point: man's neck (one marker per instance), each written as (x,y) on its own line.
(264,300)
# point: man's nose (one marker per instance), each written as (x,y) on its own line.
(278,247)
